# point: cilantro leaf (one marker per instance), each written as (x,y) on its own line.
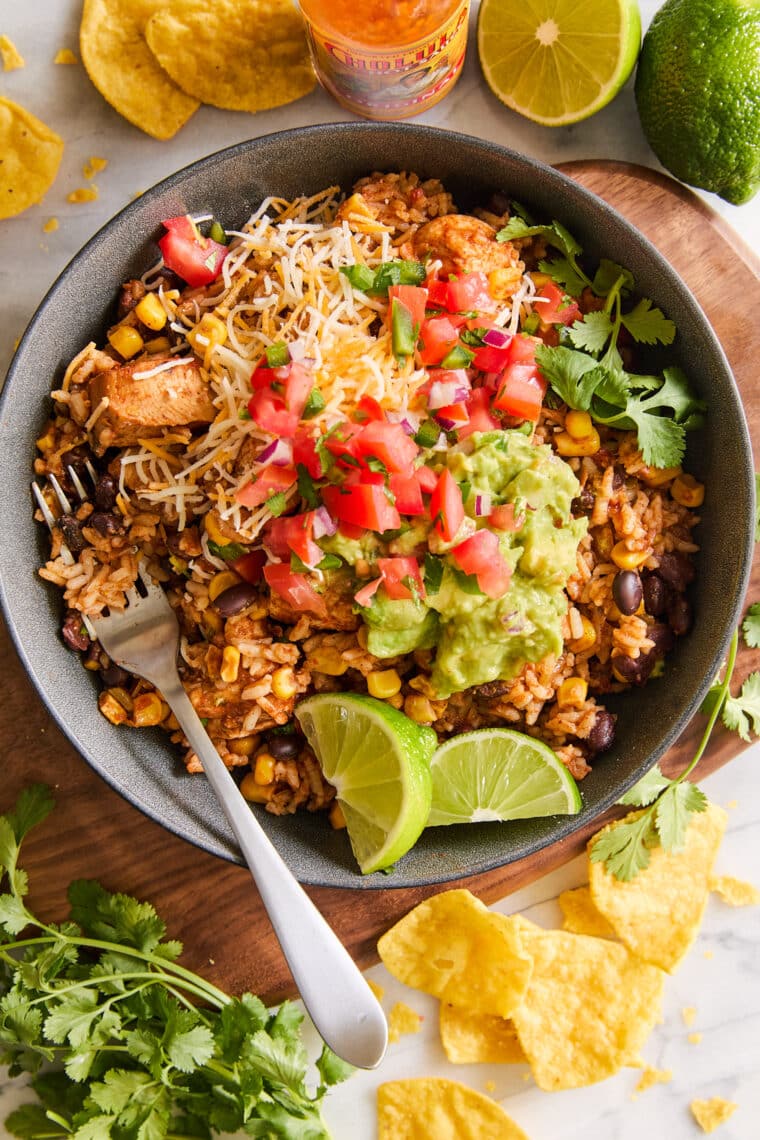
(565,274)
(649,325)
(624,849)
(229,551)
(662,441)
(332,1069)
(675,393)
(566,371)
(607,274)
(739,713)
(647,789)
(674,810)
(592,333)
(751,626)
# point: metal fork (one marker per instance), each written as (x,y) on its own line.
(144,639)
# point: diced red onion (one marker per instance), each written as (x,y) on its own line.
(364,596)
(324,524)
(279,452)
(497,338)
(482,505)
(446,424)
(408,420)
(445,392)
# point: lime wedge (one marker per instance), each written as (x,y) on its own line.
(495,774)
(557,61)
(378,761)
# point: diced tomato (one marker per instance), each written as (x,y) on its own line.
(271,480)
(470,292)
(551,311)
(368,409)
(364,475)
(426,478)
(521,391)
(340,443)
(362,505)
(294,588)
(249,566)
(407,492)
(294,533)
(364,596)
(387,442)
(298,386)
(452,417)
(271,413)
(437,337)
(480,555)
(351,532)
(446,507)
(305,453)
(503,518)
(394,571)
(413,298)
(438,293)
(479,409)
(523,348)
(196,259)
(490,359)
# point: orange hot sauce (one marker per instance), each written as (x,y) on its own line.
(387,59)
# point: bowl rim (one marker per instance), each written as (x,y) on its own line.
(564,826)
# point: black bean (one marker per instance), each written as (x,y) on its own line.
(602,541)
(235,599)
(656,595)
(113,676)
(583,504)
(662,637)
(676,569)
(679,615)
(106,490)
(72,533)
(106,523)
(627,591)
(74,632)
(602,734)
(637,670)
(284,746)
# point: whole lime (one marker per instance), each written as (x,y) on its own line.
(698,93)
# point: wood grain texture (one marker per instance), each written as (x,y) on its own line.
(211,905)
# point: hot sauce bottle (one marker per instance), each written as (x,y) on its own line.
(387,59)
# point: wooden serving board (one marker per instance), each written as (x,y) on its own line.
(211,905)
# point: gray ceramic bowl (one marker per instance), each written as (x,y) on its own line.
(78,308)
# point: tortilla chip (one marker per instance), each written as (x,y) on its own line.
(429,1108)
(66,56)
(735,892)
(10,55)
(31,154)
(453,947)
(474,1038)
(377,989)
(581,916)
(94,166)
(241,55)
(689,1014)
(50,226)
(652,1076)
(124,69)
(694,1038)
(658,913)
(588,1010)
(709,1114)
(83,194)
(402,1020)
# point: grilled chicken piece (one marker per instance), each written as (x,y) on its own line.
(467,245)
(338,595)
(141,406)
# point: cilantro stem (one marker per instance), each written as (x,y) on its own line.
(715,713)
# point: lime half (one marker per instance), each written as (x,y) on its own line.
(557,61)
(378,761)
(496,774)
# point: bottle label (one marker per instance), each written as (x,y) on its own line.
(388,83)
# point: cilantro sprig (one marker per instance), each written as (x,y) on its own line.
(143,1048)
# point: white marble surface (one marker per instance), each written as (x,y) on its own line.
(722,974)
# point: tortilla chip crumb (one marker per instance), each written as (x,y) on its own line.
(490,1086)
(10,55)
(694,1038)
(689,1013)
(65,55)
(652,1076)
(377,989)
(735,892)
(708,954)
(50,226)
(402,1019)
(732,804)
(93,167)
(83,194)
(709,1114)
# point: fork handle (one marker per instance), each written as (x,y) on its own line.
(336,995)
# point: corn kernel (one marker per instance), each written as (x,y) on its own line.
(587,638)
(383,684)
(150,312)
(230,664)
(263,770)
(46,442)
(572,693)
(284,683)
(569,446)
(657,476)
(245,746)
(221,582)
(361,636)
(419,709)
(255,793)
(112,709)
(211,527)
(208,332)
(126,340)
(336,816)
(687,491)
(628,559)
(327,660)
(157,344)
(147,710)
(578,424)
(211,622)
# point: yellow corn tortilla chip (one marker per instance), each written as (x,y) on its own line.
(83,194)
(30,154)
(658,913)
(241,55)
(94,166)
(50,226)
(581,916)
(377,989)
(588,1009)
(735,892)
(453,947)
(430,1108)
(402,1019)
(474,1038)
(709,1114)
(652,1076)
(65,56)
(10,55)
(124,69)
